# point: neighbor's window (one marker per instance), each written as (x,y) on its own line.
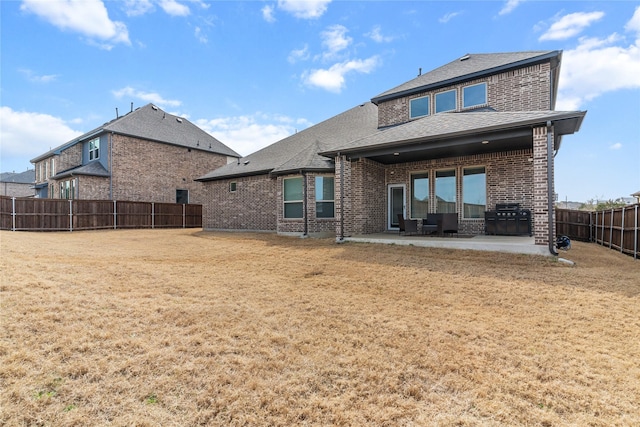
(233,186)
(419,195)
(474,192)
(68,189)
(53,166)
(446,191)
(182,196)
(292,197)
(94,149)
(474,95)
(446,101)
(419,107)
(324,197)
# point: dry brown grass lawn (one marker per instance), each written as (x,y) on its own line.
(184,328)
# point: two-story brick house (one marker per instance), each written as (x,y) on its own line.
(145,155)
(460,139)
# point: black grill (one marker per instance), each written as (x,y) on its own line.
(508,220)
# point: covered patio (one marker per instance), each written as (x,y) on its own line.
(511,244)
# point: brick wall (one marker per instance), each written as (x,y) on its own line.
(251,207)
(152,172)
(69,158)
(93,187)
(524,89)
(509,178)
(540,187)
(15,189)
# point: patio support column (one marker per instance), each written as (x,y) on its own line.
(543,188)
(339,200)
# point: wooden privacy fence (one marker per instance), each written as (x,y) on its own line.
(618,229)
(30,214)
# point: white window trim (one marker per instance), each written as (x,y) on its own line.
(486,95)
(435,101)
(284,202)
(462,190)
(326,201)
(411,116)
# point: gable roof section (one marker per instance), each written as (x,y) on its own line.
(94,168)
(469,67)
(152,123)
(459,133)
(300,151)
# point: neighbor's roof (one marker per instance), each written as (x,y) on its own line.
(151,123)
(300,151)
(26,177)
(468,67)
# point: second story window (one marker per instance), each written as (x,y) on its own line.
(419,107)
(94,149)
(446,101)
(474,95)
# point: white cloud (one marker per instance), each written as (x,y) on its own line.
(595,67)
(138,7)
(570,25)
(448,17)
(267,14)
(298,55)
(615,146)
(173,8)
(376,35)
(249,133)
(634,23)
(333,79)
(36,78)
(334,39)
(304,9)
(87,17)
(200,36)
(509,6)
(152,97)
(26,135)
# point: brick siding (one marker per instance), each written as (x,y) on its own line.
(540,187)
(152,172)
(524,89)
(252,206)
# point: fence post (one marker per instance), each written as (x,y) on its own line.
(622,232)
(70,215)
(184,219)
(635,235)
(153,215)
(611,229)
(115,216)
(13,214)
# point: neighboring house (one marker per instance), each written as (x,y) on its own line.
(17,184)
(637,196)
(462,138)
(146,155)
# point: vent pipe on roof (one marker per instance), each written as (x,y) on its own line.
(419,71)
(131,107)
(117,116)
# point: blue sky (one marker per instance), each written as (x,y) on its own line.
(254,72)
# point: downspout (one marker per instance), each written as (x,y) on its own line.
(304,203)
(341,219)
(550,197)
(110,166)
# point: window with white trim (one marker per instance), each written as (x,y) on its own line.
(419,107)
(474,192)
(325,197)
(445,193)
(94,149)
(446,101)
(419,195)
(293,203)
(474,95)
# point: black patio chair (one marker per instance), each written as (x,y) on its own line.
(407,225)
(432,224)
(450,223)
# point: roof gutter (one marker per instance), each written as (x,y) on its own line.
(550,197)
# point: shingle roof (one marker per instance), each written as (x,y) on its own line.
(94,168)
(152,123)
(26,177)
(300,151)
(449,125)
(467,67)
